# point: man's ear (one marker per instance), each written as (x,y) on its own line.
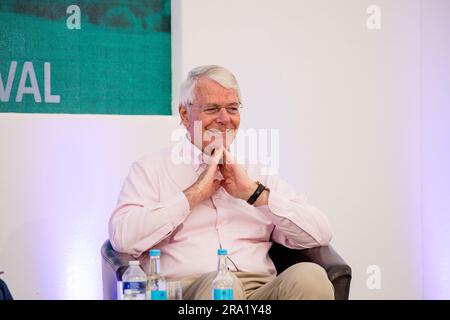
(184,115)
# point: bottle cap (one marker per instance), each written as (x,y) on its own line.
(222,252)
(155,252)
(133,263)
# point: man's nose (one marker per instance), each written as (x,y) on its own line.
(223,116)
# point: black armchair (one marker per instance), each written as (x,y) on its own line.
(339,273)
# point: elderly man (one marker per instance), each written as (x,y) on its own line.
(190,208)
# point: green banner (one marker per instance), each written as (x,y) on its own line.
(85,57)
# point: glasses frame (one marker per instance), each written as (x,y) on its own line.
(219,107)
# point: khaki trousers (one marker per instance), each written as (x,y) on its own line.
(302,281)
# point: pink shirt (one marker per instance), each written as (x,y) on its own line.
(153,212)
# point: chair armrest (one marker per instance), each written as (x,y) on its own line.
(118,262)
(330,260)
(338,271)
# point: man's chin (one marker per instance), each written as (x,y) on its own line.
(216,140)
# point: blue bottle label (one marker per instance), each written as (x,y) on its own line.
(134,285)
(158,295)
(223,294)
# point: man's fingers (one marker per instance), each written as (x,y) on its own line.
(213,162)
(218,154)
(224,182)
(228,158)
(217,183)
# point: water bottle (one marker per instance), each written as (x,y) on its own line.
(156,284)
(222,285)
(134,282)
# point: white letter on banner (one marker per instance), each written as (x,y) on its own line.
(48,86)
(6,91)
(34,89)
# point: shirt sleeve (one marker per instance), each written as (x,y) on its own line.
(140,220)
(298,225)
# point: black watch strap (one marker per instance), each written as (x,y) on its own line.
(256,194)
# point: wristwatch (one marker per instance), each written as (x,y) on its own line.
(257,193)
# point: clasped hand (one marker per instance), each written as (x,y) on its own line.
(235,180)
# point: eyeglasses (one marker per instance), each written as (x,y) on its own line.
(214,109)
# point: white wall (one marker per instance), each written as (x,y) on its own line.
(60,177)
(345,99)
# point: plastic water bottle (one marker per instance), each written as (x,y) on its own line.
(134,282)
(222,285)
(156,283)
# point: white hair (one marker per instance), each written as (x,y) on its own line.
(213,72)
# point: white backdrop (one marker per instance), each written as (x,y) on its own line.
(346,100)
